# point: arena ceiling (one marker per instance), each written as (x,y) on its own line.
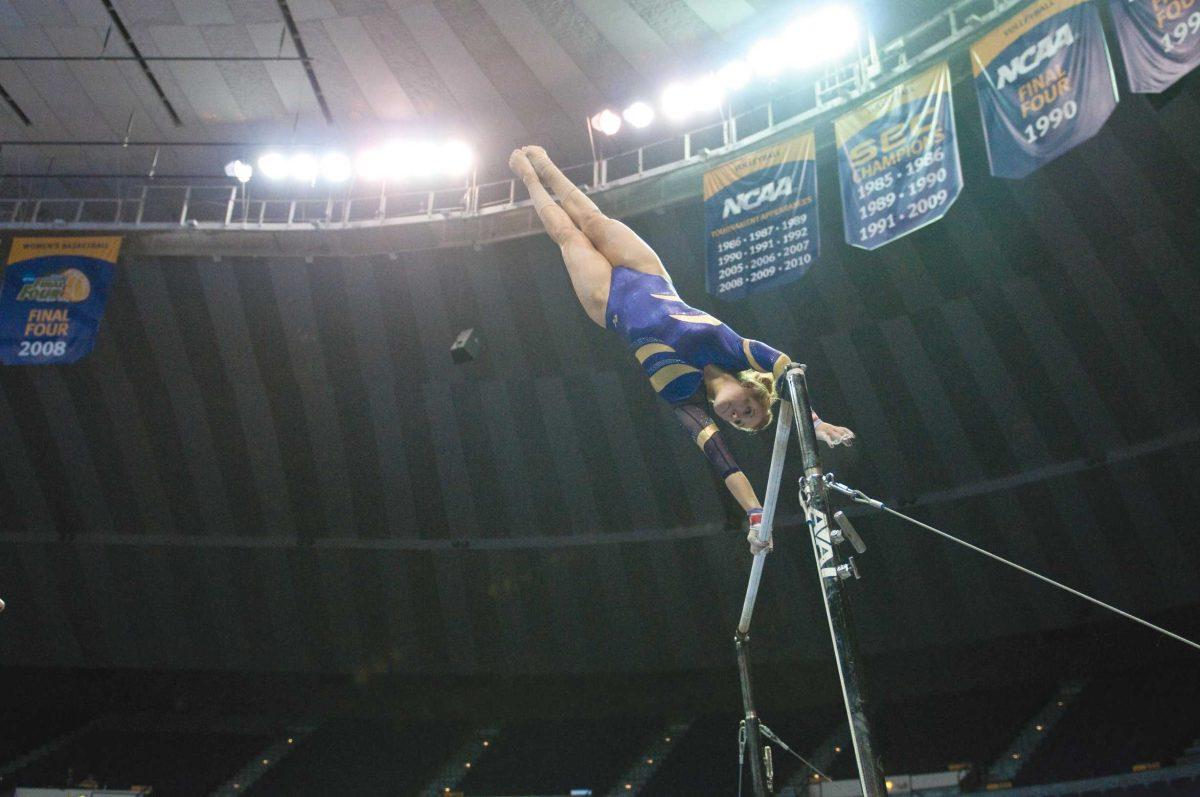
(498,73)
(272,464)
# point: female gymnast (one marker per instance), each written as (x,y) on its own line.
(690,357)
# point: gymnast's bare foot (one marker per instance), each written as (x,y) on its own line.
(518,161)
(538,157)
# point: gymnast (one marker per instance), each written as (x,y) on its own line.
(691,358)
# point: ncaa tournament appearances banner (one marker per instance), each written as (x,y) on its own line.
(1160,41)
(898,160)
(53,297)
(760,217)
(1045,84)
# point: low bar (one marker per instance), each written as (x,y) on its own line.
(783,429)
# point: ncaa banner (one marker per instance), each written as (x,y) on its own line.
(1045,84)
(1160,41)
(760,218)
(53,297)
(898,160)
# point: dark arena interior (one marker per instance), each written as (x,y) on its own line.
(319,475)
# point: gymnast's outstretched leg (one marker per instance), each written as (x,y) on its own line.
(590,271)
(614,240)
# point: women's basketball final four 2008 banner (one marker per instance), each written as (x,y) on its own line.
(1045,84)
(53,298)
(760,217)
(1160,41)
(898,160)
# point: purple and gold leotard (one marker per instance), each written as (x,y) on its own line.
(673,342)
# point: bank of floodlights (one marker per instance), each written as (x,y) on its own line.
(393,161)
(818,37)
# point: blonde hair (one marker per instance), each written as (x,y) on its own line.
(763,387)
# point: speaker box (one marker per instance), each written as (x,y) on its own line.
(465,347)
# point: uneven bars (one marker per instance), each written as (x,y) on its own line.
(783,429)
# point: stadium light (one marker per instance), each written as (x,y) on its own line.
(273,166)
(768,57)
(335,167)
(639,114)
(456,158)
(239,170)
(606,122)
(421,159)
(822,36)
(303,167)
(708,94)
(398,160)
(734,75)
(681,100)
(677,102)
(369,164)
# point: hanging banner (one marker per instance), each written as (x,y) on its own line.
(1160,41)
(898,160)
(1045,84)
(760,217)
(53,297)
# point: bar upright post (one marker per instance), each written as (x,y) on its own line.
(831,571)
(753,741)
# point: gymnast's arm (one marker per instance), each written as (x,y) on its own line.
(703,431)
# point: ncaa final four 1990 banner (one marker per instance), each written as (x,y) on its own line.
(1160,41)
(760,218)
(898,160)
(1045,84)
(53,298)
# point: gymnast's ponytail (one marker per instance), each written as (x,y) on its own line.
(763,386)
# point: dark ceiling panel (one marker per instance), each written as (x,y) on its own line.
(245,401)
(675,23)
(267,342)
(513,79)
(587,47)
(169,358)
(380,386)
(293,290)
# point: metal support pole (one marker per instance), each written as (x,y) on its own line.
(187,198)
(758,774)
(815,499)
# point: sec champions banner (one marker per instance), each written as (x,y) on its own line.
(760,217)
(53,297)
(898,160)
(1045,84)
(1160,41)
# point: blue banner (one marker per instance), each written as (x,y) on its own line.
(1045,84)
(52,298)
(898,160)
(1160,41)
(760,217)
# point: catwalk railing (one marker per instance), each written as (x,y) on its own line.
(159,204)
